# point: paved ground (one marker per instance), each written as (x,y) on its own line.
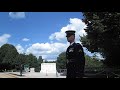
(8,75)
(28,75)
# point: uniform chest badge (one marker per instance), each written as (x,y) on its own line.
(71,50)
(80,51)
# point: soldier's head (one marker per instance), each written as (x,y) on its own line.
(70,34)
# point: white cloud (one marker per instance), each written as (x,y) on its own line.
(4,39)
(25,39)
(99,56)
(17,15)
(48,51)
(75,24)
(19,48)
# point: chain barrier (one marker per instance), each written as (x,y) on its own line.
(94,72)
(105,71)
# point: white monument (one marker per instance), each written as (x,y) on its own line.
(32,70)
(48,69)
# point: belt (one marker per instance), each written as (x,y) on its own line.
(70,60)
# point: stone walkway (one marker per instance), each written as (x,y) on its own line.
(35,75)
(7,75)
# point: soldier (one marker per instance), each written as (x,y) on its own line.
(75,57)
(21,67)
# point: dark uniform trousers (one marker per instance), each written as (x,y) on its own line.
(75,61)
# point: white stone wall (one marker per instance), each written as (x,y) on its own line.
(48,69)
(32,69)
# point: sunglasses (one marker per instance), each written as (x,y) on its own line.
(69,35)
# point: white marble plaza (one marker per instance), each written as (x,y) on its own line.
(48,70)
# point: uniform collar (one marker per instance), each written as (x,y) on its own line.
(72,43)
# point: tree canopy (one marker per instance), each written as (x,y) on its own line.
(103,35)
(90,62)
(61,61)
(11,59)
(7,54)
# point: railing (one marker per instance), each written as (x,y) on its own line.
(102,72)
(97,72)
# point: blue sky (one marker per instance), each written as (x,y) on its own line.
(40,33)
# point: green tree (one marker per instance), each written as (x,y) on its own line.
(61,61)
(92,62)
(39,61)
(31,60)
(103,35)
(20,59)
(7,55)
(20,62)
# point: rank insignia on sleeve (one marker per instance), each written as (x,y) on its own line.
(80,51)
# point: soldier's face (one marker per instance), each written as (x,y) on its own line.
(70,38)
